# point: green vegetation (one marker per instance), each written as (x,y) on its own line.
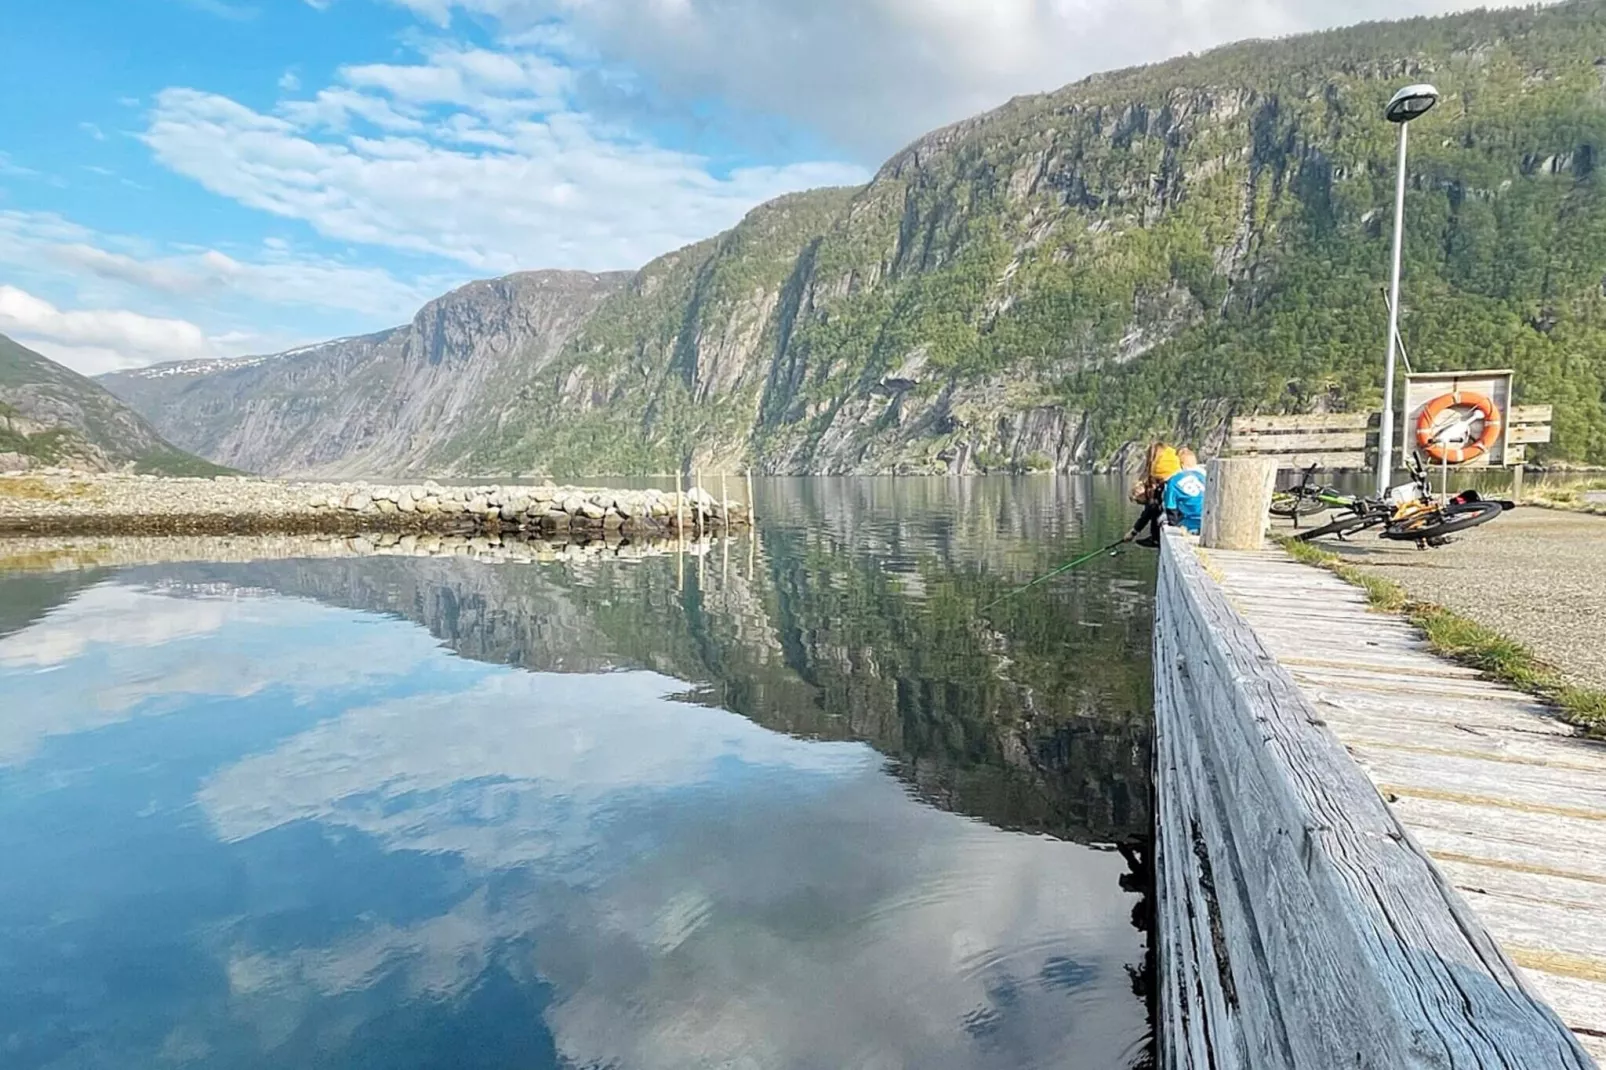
(1468,642)
(1145,252)
(54,416)
(165,460)
(1570,496)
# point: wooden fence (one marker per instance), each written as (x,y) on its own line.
(1348,440)
(1331,441)
(1299,925)
(1526,425)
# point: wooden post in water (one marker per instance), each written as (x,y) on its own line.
(1237,502)
(724,501)
(752,510)
(697,501)
(680,512)
(1516,483)
(680,536)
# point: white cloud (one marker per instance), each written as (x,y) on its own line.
(277,276)
(93,131)
(470,154)
(88,339)
(874,74)
(289,81)
(11,168)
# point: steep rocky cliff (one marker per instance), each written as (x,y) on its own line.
(375,404)
(50,415)
(1148,251)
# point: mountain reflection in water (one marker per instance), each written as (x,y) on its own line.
(794,805)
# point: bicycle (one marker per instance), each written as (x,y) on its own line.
(1410,513)
(1305,500)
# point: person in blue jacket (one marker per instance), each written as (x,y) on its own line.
(1184,494)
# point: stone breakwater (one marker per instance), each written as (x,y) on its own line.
(61,502)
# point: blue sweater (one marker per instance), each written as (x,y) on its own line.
(1184,497)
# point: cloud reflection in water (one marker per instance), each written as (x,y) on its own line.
(397,847)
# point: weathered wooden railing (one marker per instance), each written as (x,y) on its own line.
(1299,925)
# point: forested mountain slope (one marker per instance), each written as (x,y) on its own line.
(51,415)
(1146,251)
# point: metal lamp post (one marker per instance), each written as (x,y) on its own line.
(1409,103)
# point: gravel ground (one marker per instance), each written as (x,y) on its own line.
(1535,575)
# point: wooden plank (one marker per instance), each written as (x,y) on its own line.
(1355,943)
(1529,435)
(1510,805)
(1580,1002)
(1468,847)
(1511,748)
(1516,454)
(1492,783)
(1324,462)
(1320,421)
(1303,441)
(1530,414)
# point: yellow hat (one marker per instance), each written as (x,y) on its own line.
(1165,464)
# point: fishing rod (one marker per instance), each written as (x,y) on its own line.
(1112,549)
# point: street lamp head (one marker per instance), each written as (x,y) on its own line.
(1411,102)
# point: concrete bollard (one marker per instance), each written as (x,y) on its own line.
(1238,502)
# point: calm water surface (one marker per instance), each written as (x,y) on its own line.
(799,803)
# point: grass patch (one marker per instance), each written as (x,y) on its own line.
(35,489)
(1468,642)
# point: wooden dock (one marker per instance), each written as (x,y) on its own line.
(1507,801)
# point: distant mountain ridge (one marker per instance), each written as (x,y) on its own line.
(52,416)
(371,404)
(1148,251)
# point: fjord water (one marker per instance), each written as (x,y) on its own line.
(799,802)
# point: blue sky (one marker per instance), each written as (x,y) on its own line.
(182,179)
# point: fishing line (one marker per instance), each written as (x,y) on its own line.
(1112,549)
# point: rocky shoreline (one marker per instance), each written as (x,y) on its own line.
(61,502)
(69,553)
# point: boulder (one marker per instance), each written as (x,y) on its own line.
(407,504)
(358,501)
(388,507)
(479,505)
(573,504)
(593,511)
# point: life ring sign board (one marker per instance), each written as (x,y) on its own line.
(1459,418)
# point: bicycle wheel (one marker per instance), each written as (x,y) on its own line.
(1344,526)
(1437,523)
(1290,506)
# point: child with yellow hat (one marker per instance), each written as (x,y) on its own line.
(1161,463)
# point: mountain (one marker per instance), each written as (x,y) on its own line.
(378,403)
(52,416)
(1147,251)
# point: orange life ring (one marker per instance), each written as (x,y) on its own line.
(1492,427)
